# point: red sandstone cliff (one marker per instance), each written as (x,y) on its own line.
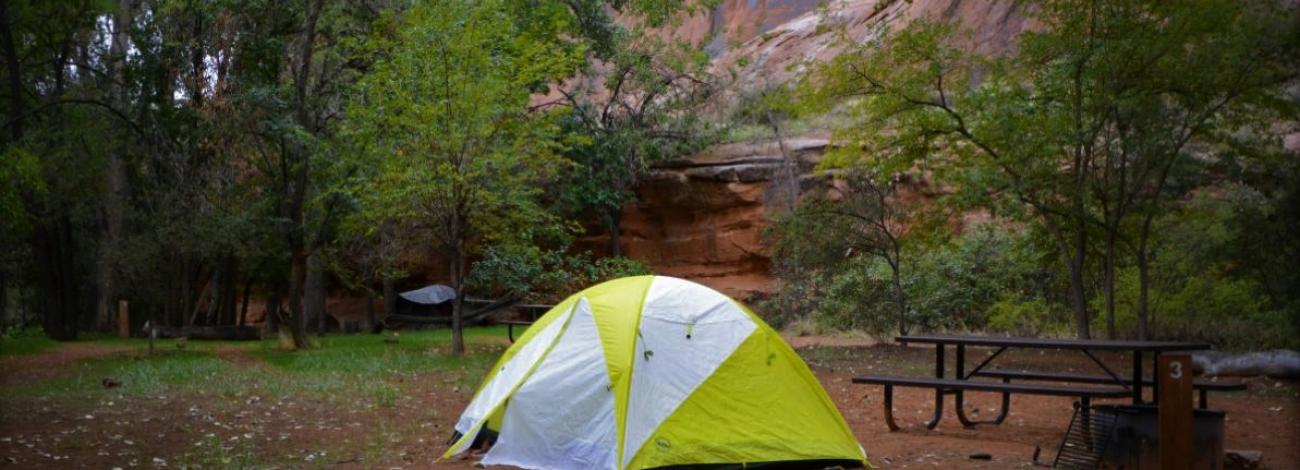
(703,217)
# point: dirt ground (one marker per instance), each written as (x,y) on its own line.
(247,430)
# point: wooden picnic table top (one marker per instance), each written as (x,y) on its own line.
(1049,343)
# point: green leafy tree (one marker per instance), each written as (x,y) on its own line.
(1084,130)
(856,214)
(450,133)
(637,105)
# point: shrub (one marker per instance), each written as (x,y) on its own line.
(546,275)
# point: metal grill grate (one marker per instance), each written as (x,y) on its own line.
(1086,439)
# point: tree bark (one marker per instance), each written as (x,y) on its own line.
(1108,281)
(297,191)
(1078,293)
(186,293)
(390,296)
(614,223)
(243,309)
(273,311)
(297,321)
(1144,287)
(458,305)
(900,298)
(115,173)
(315,292)
(4,302)
(13,69)
(53,248)
(370,310)
(218,290)
(226,310)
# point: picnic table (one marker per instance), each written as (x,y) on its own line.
(1112,384)
(533,311)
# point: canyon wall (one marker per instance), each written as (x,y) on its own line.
(703,217)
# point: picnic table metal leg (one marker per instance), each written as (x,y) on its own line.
(889,408)
(1204,401)
(1155,382)
(1137,377)
(938,392)
(1006,405)
(961,406)
(960,373)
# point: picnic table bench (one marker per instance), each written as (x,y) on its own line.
(510,327)
(1202,386)
(533,311)
(1117,386)
(953,386)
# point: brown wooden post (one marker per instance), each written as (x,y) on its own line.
(123,320)
(1175,377)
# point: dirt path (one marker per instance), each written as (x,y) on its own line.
(49,364)
(238,356)
(408,428)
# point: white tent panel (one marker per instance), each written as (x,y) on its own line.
(686,332)
(509,376)
(563,414)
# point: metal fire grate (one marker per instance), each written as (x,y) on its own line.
(1086,439)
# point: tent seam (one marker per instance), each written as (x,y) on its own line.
(631,370)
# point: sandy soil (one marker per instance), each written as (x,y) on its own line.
(158,431)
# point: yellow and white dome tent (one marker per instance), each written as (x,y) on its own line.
(653,371)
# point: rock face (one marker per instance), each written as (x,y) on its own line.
(703,218)
(767,42)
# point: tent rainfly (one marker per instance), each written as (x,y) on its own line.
(653,371)
(429,295)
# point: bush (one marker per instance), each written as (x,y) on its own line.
(545,275)
(950,285)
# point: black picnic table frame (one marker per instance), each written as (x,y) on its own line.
(1086,346)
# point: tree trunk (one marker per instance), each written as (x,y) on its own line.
(1073,257)
(370,310)
(243,309)
(186,292)
(900,298)
(4,300)
(214,299)
(297,321)
(315,295)
(297,190)
(788,180)
(17,110)
(1078,296)
(1108,284)
(390,296)
(115,174)
(226,308)
(206,293)
(1144,286)
(614,223)
(273,311)
(55,291)
(458,305)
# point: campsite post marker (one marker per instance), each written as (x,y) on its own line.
(123,320)
(1175,377)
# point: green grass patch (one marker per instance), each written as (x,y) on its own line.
(24,341)
(352,367)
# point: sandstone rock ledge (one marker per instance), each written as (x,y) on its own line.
(702,218)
